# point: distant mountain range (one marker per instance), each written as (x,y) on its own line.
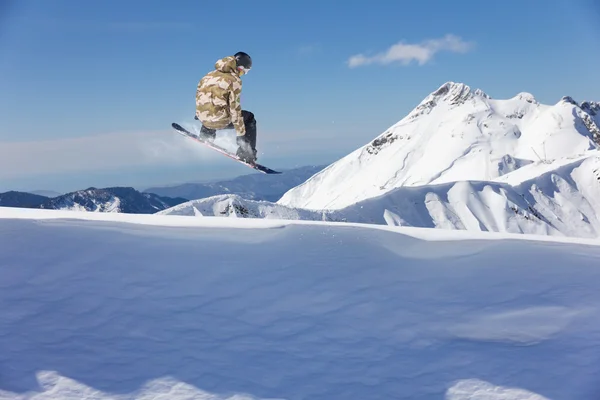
(21,199)
(252,186)
(46,193)
(114,199)
(129,200)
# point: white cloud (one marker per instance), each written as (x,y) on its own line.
(101,152)
(119,154)
(405,53)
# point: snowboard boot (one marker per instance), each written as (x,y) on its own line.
(207,134)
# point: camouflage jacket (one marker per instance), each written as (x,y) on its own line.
(218,97)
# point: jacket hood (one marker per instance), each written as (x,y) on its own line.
(226,64)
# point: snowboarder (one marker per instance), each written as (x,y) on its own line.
(218,104)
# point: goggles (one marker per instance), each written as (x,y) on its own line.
(243,70)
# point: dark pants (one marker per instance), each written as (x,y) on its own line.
(249,123)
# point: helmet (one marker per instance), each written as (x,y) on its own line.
(243,60)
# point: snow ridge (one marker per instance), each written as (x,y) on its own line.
(55,386)
(235,206)
(452,93)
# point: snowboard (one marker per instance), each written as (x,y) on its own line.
(261,168)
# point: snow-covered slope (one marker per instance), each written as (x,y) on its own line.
(256,186)
(235,206)
(454,134)
(560,198)
(216,308)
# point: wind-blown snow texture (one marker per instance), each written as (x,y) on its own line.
(454,134)
(207,308)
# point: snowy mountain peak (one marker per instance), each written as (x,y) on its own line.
(454,134)
(525,96)
(451,93)
(457,93)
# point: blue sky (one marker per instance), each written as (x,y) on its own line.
(89,89)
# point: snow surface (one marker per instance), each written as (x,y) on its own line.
(113,204)
(454,134)
(561,198)
(125,306)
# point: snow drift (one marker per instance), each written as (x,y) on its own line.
(124,306)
